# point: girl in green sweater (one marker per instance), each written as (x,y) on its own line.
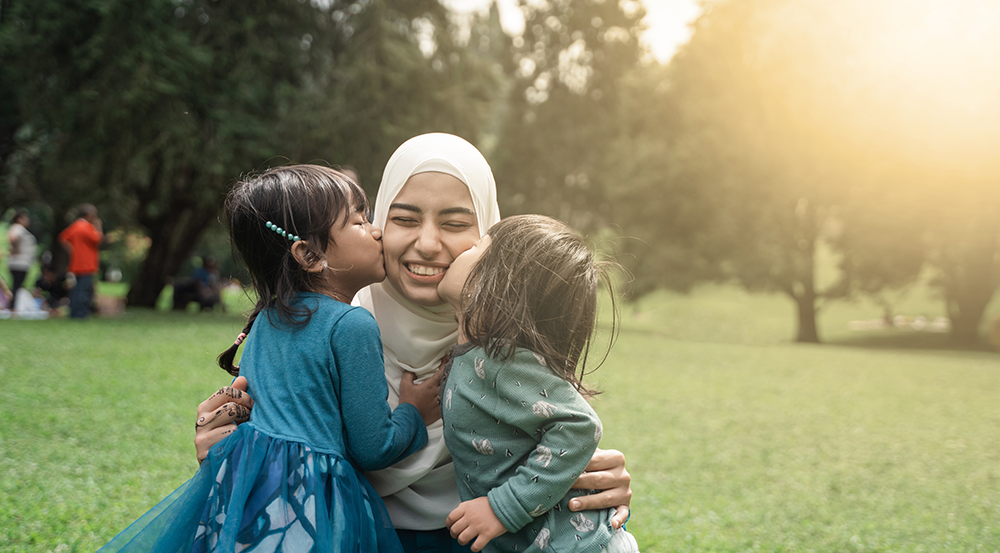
(515,418)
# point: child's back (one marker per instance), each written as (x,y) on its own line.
(323,384)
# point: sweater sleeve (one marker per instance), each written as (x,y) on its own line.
(543,405)
(376,436)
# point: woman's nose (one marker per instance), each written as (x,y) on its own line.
(376,232)
(428,242)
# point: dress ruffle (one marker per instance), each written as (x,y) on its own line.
(255,493)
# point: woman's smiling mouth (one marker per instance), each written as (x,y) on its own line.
(425,270)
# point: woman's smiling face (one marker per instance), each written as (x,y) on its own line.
(430,222)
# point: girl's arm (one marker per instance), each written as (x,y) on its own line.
(376,436)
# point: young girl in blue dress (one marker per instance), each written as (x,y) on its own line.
(289,479)
(516,423)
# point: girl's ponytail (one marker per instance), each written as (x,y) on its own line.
(226,358)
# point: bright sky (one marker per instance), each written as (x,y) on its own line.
(666,21)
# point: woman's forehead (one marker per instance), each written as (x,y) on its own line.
(433,189)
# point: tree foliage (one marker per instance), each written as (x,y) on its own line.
(151,110)
(562,111)
(781,141)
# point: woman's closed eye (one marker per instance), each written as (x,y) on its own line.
(404,221)
(456,225)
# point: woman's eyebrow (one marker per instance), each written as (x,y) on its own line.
(445,211)
(451,210)
(406,207)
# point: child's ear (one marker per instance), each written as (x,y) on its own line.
(306,258)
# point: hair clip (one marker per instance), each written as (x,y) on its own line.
(281,231)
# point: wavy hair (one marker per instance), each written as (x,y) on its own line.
(535,287)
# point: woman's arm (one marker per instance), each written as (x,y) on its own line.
(606,471)
(219,415)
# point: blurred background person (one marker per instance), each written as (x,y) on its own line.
(51,286)
(22,248)
(82,240)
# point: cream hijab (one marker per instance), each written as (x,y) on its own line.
(420,491)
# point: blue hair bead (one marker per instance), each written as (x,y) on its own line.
(282,232)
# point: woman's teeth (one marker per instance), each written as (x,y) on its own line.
(424,270)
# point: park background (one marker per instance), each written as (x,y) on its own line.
(806,195)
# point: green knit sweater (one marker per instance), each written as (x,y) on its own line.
(521,435)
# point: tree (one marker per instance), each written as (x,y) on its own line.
(151,111)
(758,166)
(562,111)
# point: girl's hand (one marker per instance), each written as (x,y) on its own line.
(219,415)
(606,472)
(475,520)
(423,396)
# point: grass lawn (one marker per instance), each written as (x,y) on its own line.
(737,439)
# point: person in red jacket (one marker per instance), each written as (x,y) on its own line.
(82,240)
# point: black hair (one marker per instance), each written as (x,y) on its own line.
(306,201)
(535,287)
(19,213)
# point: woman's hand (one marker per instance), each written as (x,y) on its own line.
(423,396)
(606,472)
(219,415)
(475,520)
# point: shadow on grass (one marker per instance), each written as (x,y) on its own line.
(922,341)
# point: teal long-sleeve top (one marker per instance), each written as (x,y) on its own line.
(323,384)
(521,436)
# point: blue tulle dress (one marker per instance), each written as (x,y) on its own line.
(290,479)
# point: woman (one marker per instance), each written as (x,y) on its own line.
(22,248)
(437,197)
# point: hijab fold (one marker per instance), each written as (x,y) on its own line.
(420,491)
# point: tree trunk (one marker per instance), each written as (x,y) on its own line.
(173,236)
(970,287)
(803,263)
(807,332)
(971,280)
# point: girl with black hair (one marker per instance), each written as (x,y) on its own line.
(512,399)
(289,479)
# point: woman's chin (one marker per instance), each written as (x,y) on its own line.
(422,294)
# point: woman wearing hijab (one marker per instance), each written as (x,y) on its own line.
(436,198)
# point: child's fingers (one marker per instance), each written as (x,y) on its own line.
(461,532)
(480,543)
(453,517)
(467,536)
(407,380)
(435,379)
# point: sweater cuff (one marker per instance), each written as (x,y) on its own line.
(508,509)
(420,437)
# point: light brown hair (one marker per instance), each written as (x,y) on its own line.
(535,287)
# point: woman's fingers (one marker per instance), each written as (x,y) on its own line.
(621,516)
(606,472)
(219,414)
(203,441)
(236,393)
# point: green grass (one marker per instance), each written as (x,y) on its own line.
(737,439)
